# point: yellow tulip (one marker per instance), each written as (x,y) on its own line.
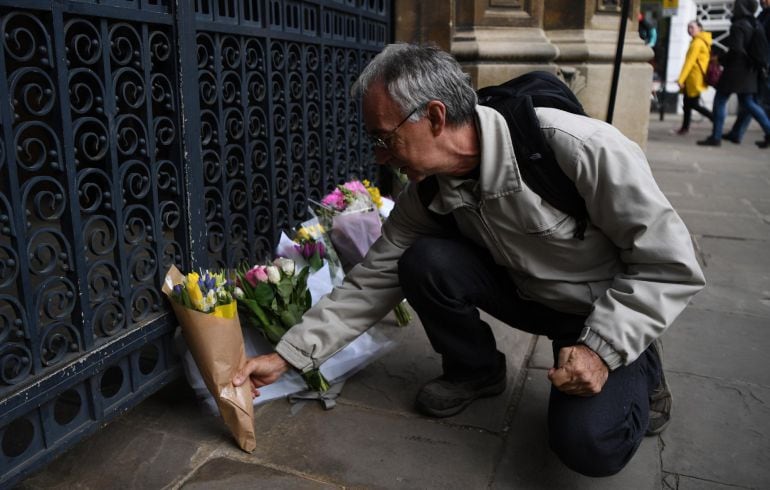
(194,290)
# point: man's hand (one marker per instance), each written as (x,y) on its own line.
(580,371)
(261,370)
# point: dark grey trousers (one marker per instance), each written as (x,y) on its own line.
(446,280)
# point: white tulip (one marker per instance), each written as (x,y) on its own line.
(286,265)
(273,274)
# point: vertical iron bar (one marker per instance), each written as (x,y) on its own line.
(70,169)
(17,220)
(190,128)
(113,168)
(618,59)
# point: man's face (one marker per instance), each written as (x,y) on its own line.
(405,144)
(764,3)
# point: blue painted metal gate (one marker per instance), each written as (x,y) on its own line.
(136,134)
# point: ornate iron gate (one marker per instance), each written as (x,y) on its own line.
(136,134)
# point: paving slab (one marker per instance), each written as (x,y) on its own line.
(741,226)
(358,447)
(678,482)
(718,345)
(237,475)
(720,431)
(393,382)
(123,455)
(737,275)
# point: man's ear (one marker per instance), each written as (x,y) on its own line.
(436,114)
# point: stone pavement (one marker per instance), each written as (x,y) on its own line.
(719,437)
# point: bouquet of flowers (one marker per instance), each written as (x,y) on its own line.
(310,245)
(352,213)
(206,308)
(273,298)
(352,216)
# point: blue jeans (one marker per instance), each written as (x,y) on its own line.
(747,108)
(743,120)
(446,280)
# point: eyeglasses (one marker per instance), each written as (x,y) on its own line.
(384,141)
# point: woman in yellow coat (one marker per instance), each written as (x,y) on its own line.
(691,78)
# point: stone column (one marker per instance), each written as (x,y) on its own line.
(496,40)
(586,35)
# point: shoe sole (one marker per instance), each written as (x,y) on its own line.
(488,391)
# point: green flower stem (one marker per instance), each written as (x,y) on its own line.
(403,317)
(315,380)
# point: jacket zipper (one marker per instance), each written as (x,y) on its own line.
(495,240)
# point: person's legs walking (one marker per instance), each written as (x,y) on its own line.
(720,101)
(748,103)
(702,110)
(687,103)
(741,124)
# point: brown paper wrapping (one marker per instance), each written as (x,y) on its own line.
(216,345)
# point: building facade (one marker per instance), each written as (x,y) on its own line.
(497,39)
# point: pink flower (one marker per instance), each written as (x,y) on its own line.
(355,186)
(256,274)
(335,199)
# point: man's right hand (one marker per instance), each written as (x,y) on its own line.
(261,370)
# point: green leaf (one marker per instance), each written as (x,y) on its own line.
(284,289)
(315,261)
(289,316)
(256,310)
(274,333)
(301,279)
(264,294)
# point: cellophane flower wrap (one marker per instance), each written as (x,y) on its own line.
(351,213)
(272,298)
(206,308)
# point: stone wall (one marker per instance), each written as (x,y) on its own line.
(496,40)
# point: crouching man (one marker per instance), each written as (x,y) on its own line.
(484,239)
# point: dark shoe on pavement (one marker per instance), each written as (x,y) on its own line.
(709,142)
(732,138)
(660,399)
(443,397)
(682,131)
(764,143)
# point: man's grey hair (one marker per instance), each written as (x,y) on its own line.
(416,74)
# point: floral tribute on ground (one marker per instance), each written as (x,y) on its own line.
(206,307)
(353,214)
(273,299)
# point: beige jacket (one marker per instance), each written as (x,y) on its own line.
(692,75)
(634,272)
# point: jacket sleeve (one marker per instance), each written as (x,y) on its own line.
(660,272)
(370,290)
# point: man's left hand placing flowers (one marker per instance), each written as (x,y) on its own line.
(262,371)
